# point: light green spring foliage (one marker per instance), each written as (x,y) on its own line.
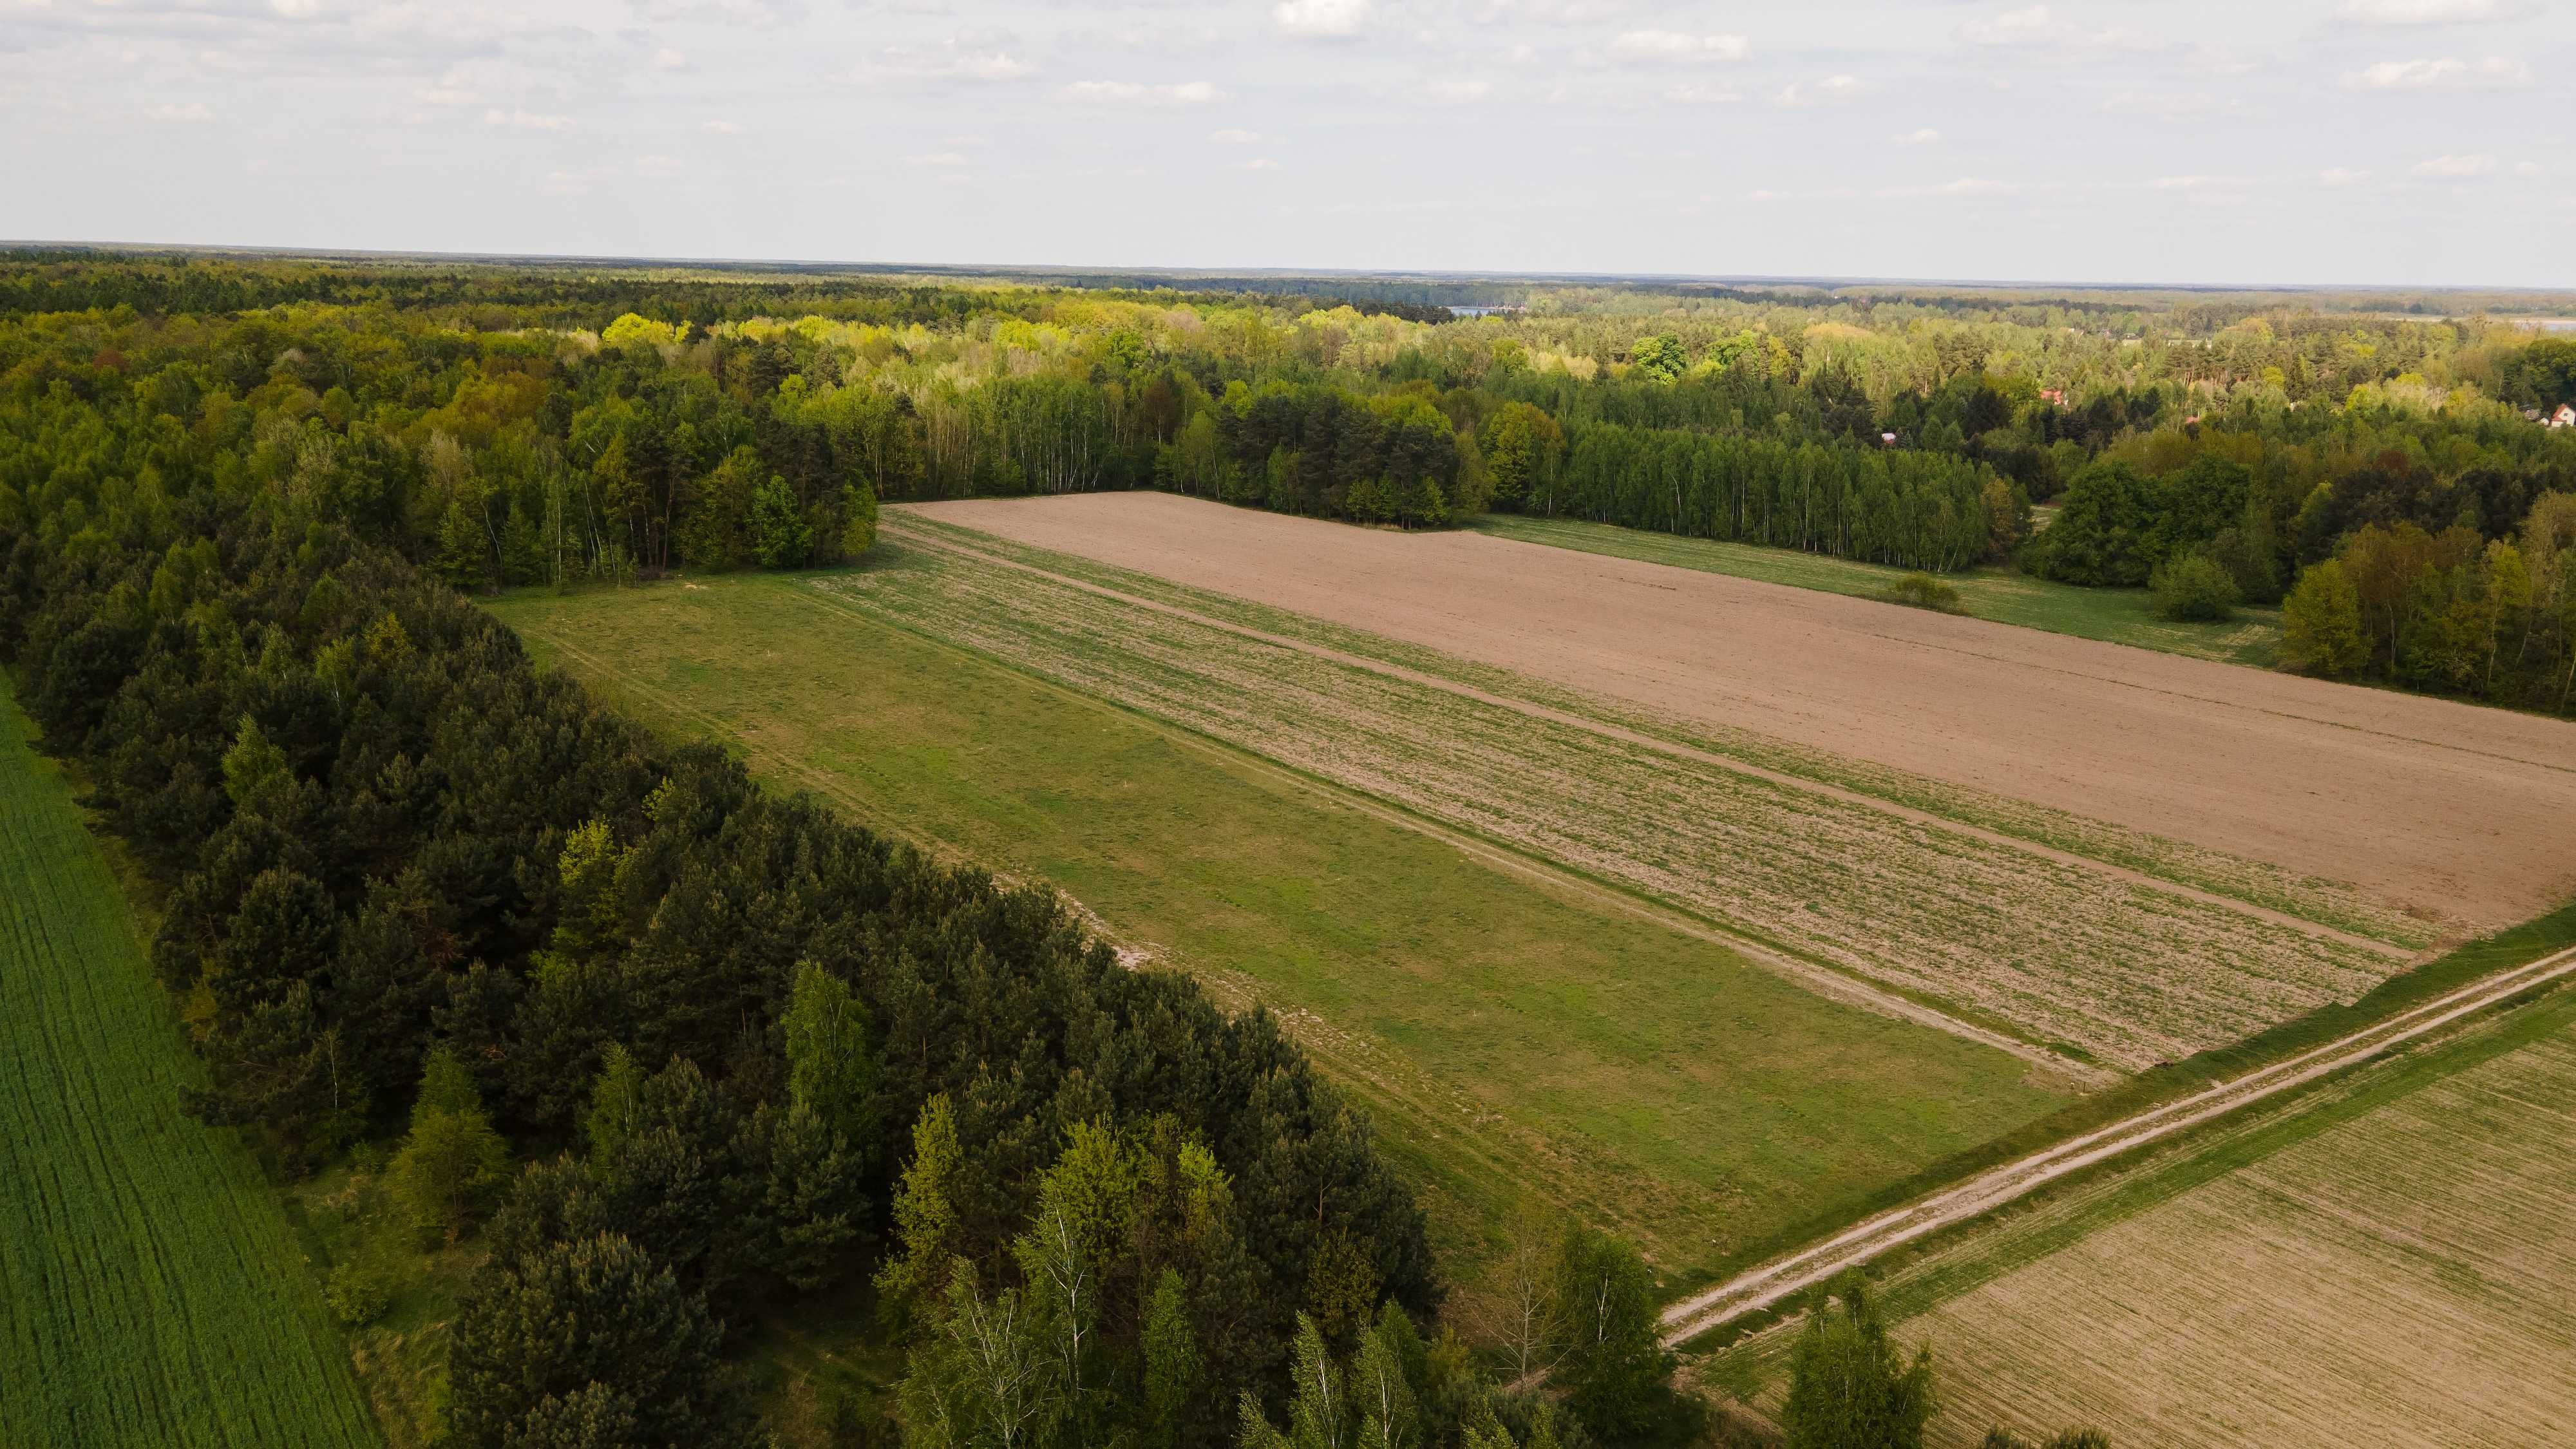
(2193,586)
(252,764)
(858,519)
(781,538)
(590,918)
(1173,1364)
(1370,1404)
(2321,622)
(630,330)
(925,1217)
(981,1379)
(1382,1384)
(452,1163)
(831,1068)
(610,1123)
(1849,1385)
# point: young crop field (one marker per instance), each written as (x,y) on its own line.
(2115,616)
(1515,1030)
(151,1292)
(2450,812)
(2388,1266)
(2124,967)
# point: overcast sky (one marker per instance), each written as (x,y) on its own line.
(2327,141)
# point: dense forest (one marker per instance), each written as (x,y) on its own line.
(675,1057)
(509,425)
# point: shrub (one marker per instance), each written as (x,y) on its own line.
(2194,586)
(359,1291)
(2321,622)
(1922,591)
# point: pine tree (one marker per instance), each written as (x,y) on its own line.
(831,1070)
(925,1216)
(452,1162)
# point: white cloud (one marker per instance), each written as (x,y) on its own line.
(759,14)
(1458,92)
(1230,136)
(1963,186)
(1693,93)
(2526,168)
(526,120)
(2030,25)
(2171,105)
(965,56)
(1831,88)
(1321,17)
(658,168)
(946,160)
(2195,183)
(188,114)
(1134,93)
(2342,176)
(2412,13)
(669,59)
(2473,164)
(445,96)
(1919,136)
(2447,73)
(2036,27)
(1673,47)
(722,128)
(1259,163)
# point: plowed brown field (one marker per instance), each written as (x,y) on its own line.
(2448,810)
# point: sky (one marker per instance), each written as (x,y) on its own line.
(2327,142)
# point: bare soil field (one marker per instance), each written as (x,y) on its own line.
(2057,946)
(2450,811)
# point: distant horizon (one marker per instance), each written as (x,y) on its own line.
(2370,144)
(1828,282)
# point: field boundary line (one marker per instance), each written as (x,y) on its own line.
(1845,987)
(1783,1278)
(1674,749)
(2222,703)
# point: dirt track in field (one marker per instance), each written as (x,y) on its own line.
(1784,1278)
(2443,808)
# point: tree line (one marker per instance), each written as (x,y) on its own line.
(414,884)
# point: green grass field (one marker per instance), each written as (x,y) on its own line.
(1512,1035)
(151,1290)
(2117,616)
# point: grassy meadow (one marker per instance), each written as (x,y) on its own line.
(1514,1035)
(2117,616)
(151,1289)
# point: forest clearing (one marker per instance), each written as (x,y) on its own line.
(2426,805)
(1516,1032)
(151,1291)
(2205,1292)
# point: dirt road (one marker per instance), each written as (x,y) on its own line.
(1786,1277)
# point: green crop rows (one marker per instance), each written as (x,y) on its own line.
(151,1292)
